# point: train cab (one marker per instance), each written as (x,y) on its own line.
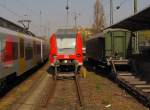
(66,51)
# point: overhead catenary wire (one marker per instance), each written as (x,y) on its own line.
(28,9)
(9,10)
(19,16)
(122,3)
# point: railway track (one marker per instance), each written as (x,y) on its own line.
(47,93)
(31,99)
(46,96)
(133,84)
(80,97)
(65,87)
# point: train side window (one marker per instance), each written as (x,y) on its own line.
(38,49)
(7,53)
(15,50)
(21,48)
(2,49)
(29,52)
(34,48)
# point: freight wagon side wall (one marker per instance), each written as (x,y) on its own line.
(117,42)
(95,48)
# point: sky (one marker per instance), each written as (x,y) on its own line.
(49,15)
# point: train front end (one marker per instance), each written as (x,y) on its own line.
(66,52)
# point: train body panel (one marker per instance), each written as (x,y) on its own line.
(102,49)
(117,42)
(53,49)
(109,46)
(79,50)
(95,47)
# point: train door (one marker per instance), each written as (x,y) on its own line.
(119,44)
(108,45)
(22,64)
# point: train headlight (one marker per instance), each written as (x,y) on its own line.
(78,55)
(65,61)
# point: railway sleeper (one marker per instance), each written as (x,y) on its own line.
(133,84)
(142,86)
(125,74)
(137,93)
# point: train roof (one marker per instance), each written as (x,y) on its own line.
(65,35)
(137,22)
(14,27)
(99,35)
(66,30)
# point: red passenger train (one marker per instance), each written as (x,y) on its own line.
(65,52)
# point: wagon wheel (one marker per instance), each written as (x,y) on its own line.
(3,84)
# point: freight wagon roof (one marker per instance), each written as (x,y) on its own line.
(139,21)
(96,36)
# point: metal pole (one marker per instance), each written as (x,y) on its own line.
(67,8)
(41,21)
(136,34)
(111,22)
(75,19)
(135,6)
(76,15)
(111,12)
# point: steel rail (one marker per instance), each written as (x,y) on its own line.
(80,97)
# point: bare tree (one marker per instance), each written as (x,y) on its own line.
(99,22)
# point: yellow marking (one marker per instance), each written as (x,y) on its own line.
(22,66)
(21,61)
(82,72)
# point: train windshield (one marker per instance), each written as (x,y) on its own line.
(66,44)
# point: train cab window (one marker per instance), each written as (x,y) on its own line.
(15,50)
(21,48)
(66,43)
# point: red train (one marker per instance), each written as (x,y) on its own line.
(65,52)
